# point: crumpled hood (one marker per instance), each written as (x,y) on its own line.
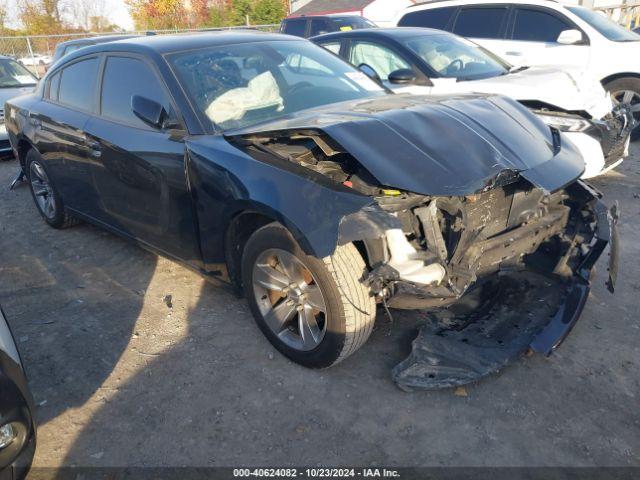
(455,145)
(566,89)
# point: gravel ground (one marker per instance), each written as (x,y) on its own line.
(121,379)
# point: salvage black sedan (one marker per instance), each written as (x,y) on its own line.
(270,162)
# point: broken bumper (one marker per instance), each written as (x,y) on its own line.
(613,133)
(477,338)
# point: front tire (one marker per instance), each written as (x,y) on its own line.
(627,90)
(316,312)
(45,196)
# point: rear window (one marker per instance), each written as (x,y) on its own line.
(296,26)
(481,22)
(77,85)
(437,18)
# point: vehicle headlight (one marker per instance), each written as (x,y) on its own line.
(7,434)
(564,123)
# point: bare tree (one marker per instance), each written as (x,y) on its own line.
(85,12)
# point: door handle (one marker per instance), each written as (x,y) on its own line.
(514,54)
(95,149)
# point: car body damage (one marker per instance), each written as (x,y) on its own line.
(322,195)
(467,228)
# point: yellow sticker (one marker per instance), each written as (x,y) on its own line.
(346,29)
(391,193)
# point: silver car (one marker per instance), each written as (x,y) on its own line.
(15,80)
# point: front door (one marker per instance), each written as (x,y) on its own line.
(533,40)
(139,171)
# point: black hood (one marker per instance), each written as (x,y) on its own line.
(454,145)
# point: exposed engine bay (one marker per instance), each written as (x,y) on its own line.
(465,258)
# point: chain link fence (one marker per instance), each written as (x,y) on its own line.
(35,51)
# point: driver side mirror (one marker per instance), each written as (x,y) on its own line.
(570,37)
(152,113)
(370,72)
(402,76)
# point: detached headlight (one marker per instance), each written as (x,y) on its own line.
(564,123)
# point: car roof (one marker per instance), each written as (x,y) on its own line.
(390,33)
(332,15)
(163,44)
(95,40)
(438,3)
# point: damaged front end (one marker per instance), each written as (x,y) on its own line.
(517,266)
(502,269)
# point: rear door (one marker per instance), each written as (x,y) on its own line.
(138,171)
(486,25)
(533,35)
(68,103)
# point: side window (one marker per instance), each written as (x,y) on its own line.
(296,26)
(432,18)
(382,59)
(77,84)
(332,47)
(538,26)
(481,22)
(320,26)
(54,86)
(123,78)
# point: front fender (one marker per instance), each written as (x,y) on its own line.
(225,181)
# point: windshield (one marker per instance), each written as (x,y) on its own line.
(605,26)
(454,57)
(240,85)
(12,75)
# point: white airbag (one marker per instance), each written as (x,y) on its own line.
(261,92)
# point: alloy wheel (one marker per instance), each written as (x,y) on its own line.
(628,97)
(42,190)
(289,299)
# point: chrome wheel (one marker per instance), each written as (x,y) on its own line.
(42,190)
(289,299)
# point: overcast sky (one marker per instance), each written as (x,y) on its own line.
(116,11)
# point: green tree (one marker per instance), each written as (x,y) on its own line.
(41,16)
(240,10)
(267,12)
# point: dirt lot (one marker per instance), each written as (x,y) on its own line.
(122,379)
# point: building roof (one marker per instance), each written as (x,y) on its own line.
(331,6)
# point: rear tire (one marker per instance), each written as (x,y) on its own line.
(347,313)
(44,193)
(630,87)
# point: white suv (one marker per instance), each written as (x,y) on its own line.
(543,32)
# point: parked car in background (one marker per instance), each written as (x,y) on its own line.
(17,422)
(64,48)
(265,159)
(311,25)
(15,80)
(426,61)
(543,32)
(35,60)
